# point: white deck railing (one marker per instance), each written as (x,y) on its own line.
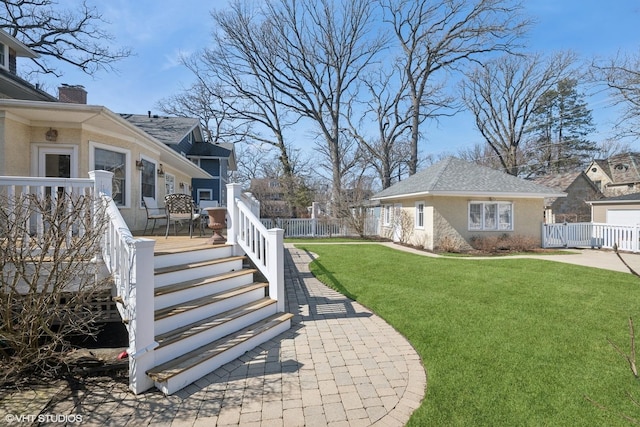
(264,247)
(17,190)
(589,234)
(128,260)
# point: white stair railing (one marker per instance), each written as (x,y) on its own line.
(130,263)
(264,247)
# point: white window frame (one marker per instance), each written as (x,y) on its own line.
(419,216)
(386,215)
(205,192)
(491,222)
(92,162)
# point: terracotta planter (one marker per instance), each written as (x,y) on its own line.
(217,222)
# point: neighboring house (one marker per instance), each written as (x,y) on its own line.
(455,201)
(618,210)
(616,176)
(574,207)
(185,136)
(12,86)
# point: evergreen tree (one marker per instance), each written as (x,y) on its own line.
(560,124)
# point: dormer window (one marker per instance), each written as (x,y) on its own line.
(621,167)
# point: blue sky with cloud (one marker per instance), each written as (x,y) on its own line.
(159,32)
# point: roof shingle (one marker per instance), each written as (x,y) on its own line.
(454,176)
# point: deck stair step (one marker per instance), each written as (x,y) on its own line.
(181,371)
(193,310)
(203,253)
(201,332)
(178,273)
(210,322)
(180,267)
(183,291)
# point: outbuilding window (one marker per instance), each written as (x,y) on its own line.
(490,216)
(386,215)
(419,215)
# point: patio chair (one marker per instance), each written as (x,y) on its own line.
(180,207)
(153,213)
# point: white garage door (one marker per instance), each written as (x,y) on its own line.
(623,217)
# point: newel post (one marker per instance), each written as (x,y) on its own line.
(102,182)
(275,266)
(234,192)
(141,325)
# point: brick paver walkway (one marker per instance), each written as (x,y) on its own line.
(339,365)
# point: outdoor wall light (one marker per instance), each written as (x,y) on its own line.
(160,170)
(139,165)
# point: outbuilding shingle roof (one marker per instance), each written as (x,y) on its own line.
(453,176)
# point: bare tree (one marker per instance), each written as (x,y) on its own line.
(388,149)
(480,154)
(47,284)
(317,51)
(622,76)
(210,104)
(436,37)
(234,68)
(73,36)
(502,96)
(261,171)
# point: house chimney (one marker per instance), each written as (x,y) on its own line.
(73,94)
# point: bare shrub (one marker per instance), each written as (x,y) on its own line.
(505,242)
(448,244)
(404,222)
(49,278)
(488,244)
(520,243)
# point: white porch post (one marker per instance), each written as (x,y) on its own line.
(234,191)
(275,266)
(102,182)
(141,325)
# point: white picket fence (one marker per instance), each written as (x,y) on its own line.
(313,227)
(590,234)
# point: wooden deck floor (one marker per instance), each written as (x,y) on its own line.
(179,243)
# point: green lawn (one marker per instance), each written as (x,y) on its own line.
(505,341)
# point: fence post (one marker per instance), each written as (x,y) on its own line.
(234,192)
(275,266)
(141,325)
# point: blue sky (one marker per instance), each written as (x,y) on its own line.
(159,32)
